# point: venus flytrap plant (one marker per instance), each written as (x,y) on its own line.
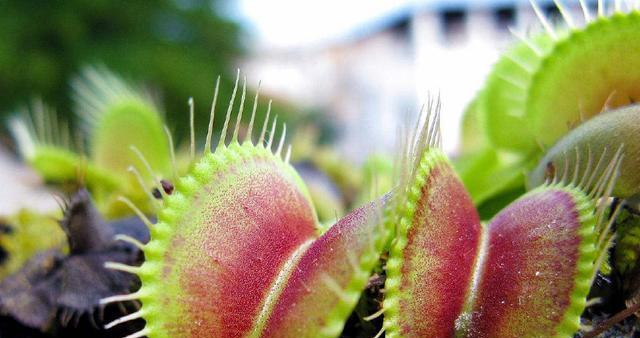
(237,250)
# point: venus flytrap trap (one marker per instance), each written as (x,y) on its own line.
(526,273)
(121,122)
(596,136)
(118,115)
(236,250)
(118,121)
(535,81)
(554,93)
(548,83)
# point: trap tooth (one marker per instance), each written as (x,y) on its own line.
(599,137)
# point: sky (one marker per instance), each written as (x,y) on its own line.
(288,23)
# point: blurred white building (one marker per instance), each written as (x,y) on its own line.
(373,79)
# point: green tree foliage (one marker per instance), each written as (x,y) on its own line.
(178,46)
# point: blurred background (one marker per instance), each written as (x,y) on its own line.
(348,72)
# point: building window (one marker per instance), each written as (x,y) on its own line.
(593,7)
(453,22)
(552,12)
(504,17)
(401,30)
